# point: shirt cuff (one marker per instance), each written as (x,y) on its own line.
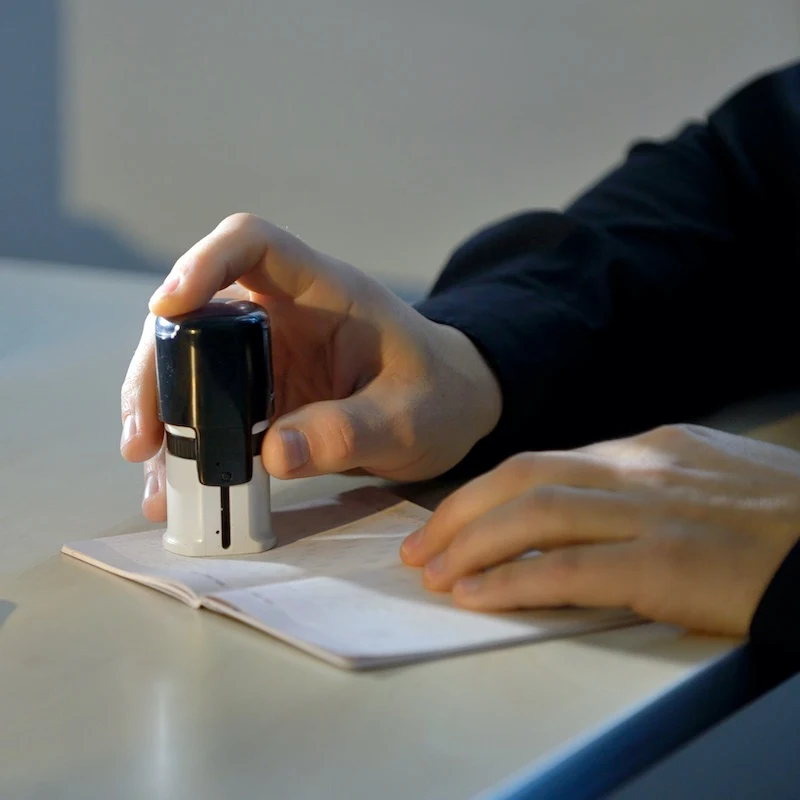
(540,356)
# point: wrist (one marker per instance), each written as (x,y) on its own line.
(481,384)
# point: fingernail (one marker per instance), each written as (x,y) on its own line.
(295,448)
(150,486)
(469,585)
(128,430)
(171,283)
(436,566)
(412,541)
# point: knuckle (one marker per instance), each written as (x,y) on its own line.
(127,395)
(241,220)
(657,476)
(520,466)
(543,501)
(563,565)
(673,434)
(694,431)
(503,578)
(156,464)
(340,435)
(649,591)
(352,283)
(663,433)
(182,264)
(451,507)
(464,545)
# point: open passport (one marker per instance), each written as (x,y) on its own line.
(335,586)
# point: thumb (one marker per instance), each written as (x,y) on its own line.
(332,436)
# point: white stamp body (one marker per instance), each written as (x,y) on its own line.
(216,399)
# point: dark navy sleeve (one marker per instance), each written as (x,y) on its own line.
(667,289)
(775,628)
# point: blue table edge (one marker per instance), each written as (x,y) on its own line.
(605,758)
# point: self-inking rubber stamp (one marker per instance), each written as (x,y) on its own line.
(215,397)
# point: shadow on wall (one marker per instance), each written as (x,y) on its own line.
(33,224)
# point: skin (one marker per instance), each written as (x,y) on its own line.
(681,524)
(362,381)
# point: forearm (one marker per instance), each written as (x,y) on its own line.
(636,305)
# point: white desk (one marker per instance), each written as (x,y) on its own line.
(111,690)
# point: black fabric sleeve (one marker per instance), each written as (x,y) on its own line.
(660,294)
(775,628)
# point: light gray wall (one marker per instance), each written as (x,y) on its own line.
(381,131)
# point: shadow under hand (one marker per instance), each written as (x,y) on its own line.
(296,522)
